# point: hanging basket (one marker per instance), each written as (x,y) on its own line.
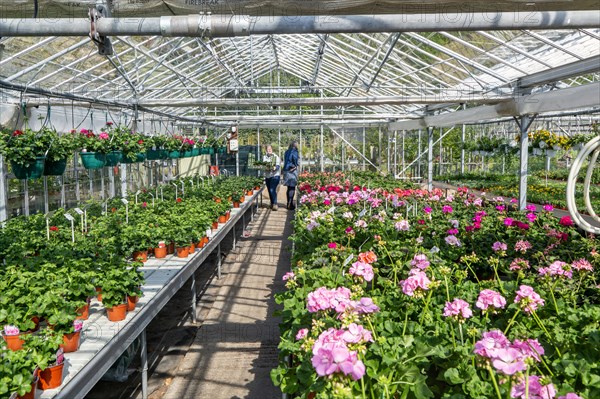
(195,151)
(155,155)
(175,154)
(113,158)
(139,157)
(55,168)
(221,150)
(35,170)
(188,153)
(207,150)
(93,160)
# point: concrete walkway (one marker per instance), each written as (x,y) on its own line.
(236,346)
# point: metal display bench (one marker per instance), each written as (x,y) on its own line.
(104,341)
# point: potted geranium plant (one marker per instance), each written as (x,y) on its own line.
(114,292)
(18,374)
(133,281)
(60,148)
(156,148)
(26,152)
(94,148)
(48,356)
(134,148)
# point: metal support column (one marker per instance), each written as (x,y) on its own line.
(76,174)
(322,152)
(233,237)
(102,183)
(25,197)
(403,151)
(193,289)
(419,161)
(524,123)
(111,183)
(46,207)
(462,147)
(3,191)
(219,261)
(364,149)
(123,180)
(395,153)
(144,361)
(237,163)
(430,158)
(63,195)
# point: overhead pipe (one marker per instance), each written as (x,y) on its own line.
(244,25)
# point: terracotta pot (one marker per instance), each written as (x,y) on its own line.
(192,248)
(228,214)
(140,255)
(36,321)
(131,302)
(14,342)
(257,188)
(71,341)
(203,242)
(171,248)
(99,292)
(249,193)
(215,225)
(242,198)
(31,394)
(183,252)
(150,251)
(160,253)
(83,312)
(51,377)
(223,219)
(217,200)
(236,204)
(117,313)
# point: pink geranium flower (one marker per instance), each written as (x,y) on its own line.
(528,299)
(490,298)
(508,361)
(557,268)
(303,332)
(362,269)
(416,283)
(458,309)
(537,389)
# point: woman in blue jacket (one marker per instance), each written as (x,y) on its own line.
(290,173)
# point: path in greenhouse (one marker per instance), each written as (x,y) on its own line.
(236,346)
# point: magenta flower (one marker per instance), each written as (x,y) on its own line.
(420,261)
(508,361)
(519,264)
(349,231)
(77,325)
(548,208)
(458,309)
(326,201)
(530,208)
(303,332)
(531,217)
(570,395)
(332,245)
(452,231)
(582,264)
(11,330)
(427,209)
(447,209)
(528,299)
(416,283)
(490,343)
(566,221)
(508,221)
(363,270)
(491,298)
(537,390)
(288,276)
(557,268)
(402,225)
(499,246)
(500,208)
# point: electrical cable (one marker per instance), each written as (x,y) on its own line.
(593,148)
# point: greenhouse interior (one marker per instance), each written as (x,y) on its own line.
(314,199)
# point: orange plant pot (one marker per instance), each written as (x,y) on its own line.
(13,342)
(171,248)
(71,341)
(51,377)
(217,200)
(223,219)
(203,241)
(249,193)
(242,198)
(160,253)
(183,252)
(192,248)
(215,225)
(31,394)
(99,292)
(236,204)
(131,302)
(117,313)
(142,256)
(83,313)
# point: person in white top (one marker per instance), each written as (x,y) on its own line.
(272,176)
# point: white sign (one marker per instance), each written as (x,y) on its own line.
(79,211)
(69,217)
(348,259)
(233,145)
(123,200)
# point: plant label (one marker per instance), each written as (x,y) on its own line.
(69,217)
(79,211)
(348,259)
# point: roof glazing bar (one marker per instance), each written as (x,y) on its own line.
(551,43)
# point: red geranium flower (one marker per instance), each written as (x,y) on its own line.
(178,199)
(53,228)
(17,133)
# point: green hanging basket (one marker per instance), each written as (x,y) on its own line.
(55,168)
(35,170)
(139,157)
(188,153)
(113,158)
(154,155)
(175,154)
(195,151)
(206,150)
(222,150)
(93,160)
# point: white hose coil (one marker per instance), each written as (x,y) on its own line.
(593,148)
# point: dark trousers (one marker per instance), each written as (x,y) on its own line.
(272,183)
